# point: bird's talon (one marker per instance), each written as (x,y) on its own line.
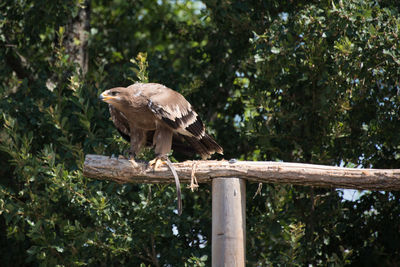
(156,163)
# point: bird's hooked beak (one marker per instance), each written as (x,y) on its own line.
(105,96)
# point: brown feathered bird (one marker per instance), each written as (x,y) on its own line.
(150,110)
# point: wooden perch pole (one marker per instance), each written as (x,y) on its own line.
(228,222)
(122,171)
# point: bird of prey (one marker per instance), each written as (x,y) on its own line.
(142,110)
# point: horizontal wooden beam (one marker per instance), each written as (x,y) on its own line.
(124,171)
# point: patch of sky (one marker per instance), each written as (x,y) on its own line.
(196,6)
(239,74)
(175,230)
(237,120)
(202,243)
(351,194)
(284,16)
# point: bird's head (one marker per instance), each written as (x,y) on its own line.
(115,96)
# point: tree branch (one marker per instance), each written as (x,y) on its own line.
(77,36)
(123,171)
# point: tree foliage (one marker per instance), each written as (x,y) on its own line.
(310,81)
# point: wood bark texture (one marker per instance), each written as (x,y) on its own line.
(228,222)
(124,171)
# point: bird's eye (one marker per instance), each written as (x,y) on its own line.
(113,93)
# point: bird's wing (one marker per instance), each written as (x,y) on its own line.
(121,122)
(173,109)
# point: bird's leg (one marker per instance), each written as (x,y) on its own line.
(137,141)
(162,141)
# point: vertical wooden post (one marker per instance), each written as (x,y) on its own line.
(228,222)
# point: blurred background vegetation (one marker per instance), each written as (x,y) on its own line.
(297,81)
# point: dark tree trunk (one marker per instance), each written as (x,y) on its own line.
(76,39)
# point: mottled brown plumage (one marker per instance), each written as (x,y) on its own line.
(150,109)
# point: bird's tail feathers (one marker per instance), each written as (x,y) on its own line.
(205,146)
